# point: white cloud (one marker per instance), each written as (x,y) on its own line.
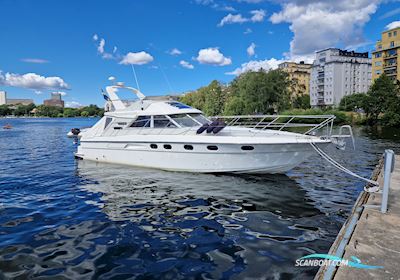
(213,56)
(186,64)
(138,58)
(95,37)
(257,15)
(230,19)
(318,24)
(251,49)
(256,65)
(248,31)
(35,60)
(392,25)
(216,6)
(100,47)
(115,49)
(73,104)
(174,51)
(32,81)
(62,93)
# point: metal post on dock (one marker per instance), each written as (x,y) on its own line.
(388,169)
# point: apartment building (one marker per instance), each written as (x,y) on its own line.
(299,74)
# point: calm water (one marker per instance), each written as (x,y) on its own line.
(67,219)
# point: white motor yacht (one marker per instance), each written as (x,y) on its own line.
(169,135)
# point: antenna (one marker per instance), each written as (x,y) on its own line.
(134,74)
(166,79)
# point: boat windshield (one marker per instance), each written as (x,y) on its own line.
(200,118)
(184,120)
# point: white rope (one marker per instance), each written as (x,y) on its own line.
(339,166)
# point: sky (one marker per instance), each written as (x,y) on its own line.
(174,46)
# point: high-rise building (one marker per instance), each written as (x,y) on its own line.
(3,97)
(299,74)
(55,100)
(386,57)
(336,73)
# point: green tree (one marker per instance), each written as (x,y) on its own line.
(382,97)
(5,110)
(301,101)
(353,102)
(85,114)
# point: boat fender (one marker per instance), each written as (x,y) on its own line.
(219,127)
(212,125)
(75,131)
(202,128)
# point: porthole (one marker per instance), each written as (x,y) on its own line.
(188,147)
(167,146)
(153,146)
(212,148)
(247,148)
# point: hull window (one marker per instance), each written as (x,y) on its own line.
(153,146)
(247,148)
(188,147)
(212,148)
(167,147)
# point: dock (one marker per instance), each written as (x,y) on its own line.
(369,235)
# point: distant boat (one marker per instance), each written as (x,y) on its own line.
(7,126)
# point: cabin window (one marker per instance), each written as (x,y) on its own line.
(179,105)
(188,147)
(141,121)
(108,121)
(247,148)
(184,120)
(212,148)
(162,122)
(167,146)
(153,146)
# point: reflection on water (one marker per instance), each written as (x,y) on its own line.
(62,219)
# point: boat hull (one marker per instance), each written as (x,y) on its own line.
(264,158)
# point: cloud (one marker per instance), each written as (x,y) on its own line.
(138,58)
(174,51)
(186,64)
(101,48)
(62,93)
(256,65)
(248,31)
(251,1)
(319,24)
(216,6)
(230,19)
(73,104)
(251,49)
(212,56)
(257,16)
(390,13)
(392,25)
(35,60)
(32,81)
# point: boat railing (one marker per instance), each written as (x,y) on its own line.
(306,124)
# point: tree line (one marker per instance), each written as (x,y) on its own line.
(250,93)
(50,111)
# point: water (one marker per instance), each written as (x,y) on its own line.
(67,219)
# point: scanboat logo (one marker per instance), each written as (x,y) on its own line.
(328,260)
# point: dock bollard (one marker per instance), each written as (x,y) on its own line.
(388,169)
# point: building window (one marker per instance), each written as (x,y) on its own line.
(390,34)
(378,72)
(392,44)
(379,47)
(379,54)
(395,33)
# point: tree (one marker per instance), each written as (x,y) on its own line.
(382,97)
(353,102)
(85,114)
(301,101)
(5,110)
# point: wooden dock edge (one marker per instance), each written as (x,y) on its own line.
(355,213)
